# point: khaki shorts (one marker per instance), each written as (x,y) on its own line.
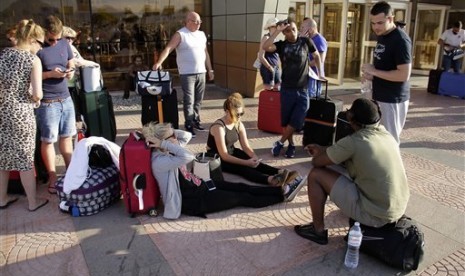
(346,196)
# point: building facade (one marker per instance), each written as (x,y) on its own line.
(111,32)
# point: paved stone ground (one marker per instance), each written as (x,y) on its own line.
(247,241)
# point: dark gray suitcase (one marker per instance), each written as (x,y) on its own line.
(160,109)
(99,116)
(343,127)
(320,122)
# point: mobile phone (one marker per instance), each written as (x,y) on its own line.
(210,185)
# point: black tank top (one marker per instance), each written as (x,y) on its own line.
(231,136)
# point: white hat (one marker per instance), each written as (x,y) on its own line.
(271,23)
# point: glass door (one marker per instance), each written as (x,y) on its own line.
(428,29)
(333,28)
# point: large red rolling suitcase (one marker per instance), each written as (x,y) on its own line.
(138,185)
(320,121)
(269,112)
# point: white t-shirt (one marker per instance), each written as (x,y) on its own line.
(454,40)
(190,53)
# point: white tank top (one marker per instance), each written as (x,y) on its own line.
(190,53)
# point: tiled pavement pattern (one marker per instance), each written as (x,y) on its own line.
(247,241)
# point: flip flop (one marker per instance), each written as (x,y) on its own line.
(40,206)
(9,203)
(52,190)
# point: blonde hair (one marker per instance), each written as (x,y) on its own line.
(233,102)
(28,29)
(154,130)
(68,32)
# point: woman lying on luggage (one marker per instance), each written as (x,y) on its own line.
(229,129)
(183,192)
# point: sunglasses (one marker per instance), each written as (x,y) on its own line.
(196,21)
(40,43)
(52,40)
(240,114)
(70,38)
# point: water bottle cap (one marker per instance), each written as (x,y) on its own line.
(357,223)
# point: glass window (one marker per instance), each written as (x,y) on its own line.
(118,29)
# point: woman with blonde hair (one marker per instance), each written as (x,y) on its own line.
(70,35)
(184,192)
(229,129)
(20,92)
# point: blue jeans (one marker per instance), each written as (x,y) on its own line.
(56,119)
(193,88)
(448,62)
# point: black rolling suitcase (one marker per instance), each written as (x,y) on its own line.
(167,104)
(99,116)
(320,122)
(343,127)
(433,81)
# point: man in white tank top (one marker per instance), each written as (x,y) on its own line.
(193,64)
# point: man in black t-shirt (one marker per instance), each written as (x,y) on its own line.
(391,69)
(293,52)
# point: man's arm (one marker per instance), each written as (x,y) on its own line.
(174,42)
(320,157)
(401,74)
(208,63)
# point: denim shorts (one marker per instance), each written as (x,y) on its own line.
(294,106)
(268,77)
(56,119)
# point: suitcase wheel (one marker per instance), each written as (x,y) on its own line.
(153,212)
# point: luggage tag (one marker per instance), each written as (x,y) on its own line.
(139,185)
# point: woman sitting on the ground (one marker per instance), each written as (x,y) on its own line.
(229,129)
(183,192)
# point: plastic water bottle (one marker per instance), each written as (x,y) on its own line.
(366,87)
(353,246)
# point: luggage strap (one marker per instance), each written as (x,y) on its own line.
(320,122)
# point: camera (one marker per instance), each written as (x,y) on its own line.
(283,22)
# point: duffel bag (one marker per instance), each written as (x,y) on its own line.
(398,244)
(99,191)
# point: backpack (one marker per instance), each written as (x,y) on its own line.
(399,244)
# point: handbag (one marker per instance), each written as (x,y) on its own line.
(91,78)
(152,83)
(99,157)
(208,166)
(257,63)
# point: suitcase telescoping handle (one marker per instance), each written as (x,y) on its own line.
(325,81)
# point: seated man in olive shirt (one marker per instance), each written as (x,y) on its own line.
(374,192)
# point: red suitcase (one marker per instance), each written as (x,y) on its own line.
(269,111)
(138,185)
